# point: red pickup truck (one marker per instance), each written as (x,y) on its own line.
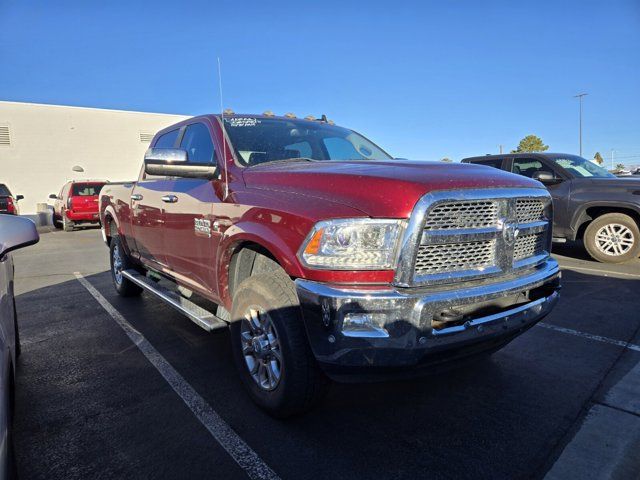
(327,257)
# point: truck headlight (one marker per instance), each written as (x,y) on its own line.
(353,244)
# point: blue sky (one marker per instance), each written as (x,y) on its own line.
(425,80)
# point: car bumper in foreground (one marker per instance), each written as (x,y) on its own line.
(363,331)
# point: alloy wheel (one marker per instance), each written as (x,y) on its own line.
(117,264)
(614,239)
(261,348)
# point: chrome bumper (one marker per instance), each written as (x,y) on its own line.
(407,336)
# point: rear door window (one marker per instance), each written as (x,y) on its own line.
(490,162)
(198,144)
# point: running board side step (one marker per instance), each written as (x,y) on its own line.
(198,315)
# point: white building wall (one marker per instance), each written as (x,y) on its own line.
(47,141)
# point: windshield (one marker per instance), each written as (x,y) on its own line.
(4,191)
(580,167)
(259,140)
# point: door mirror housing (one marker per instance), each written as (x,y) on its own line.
(19,197)
(53,196)
(16,232)
(546,178)
(174,162)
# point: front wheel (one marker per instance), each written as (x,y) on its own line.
(613,238)
(119,262)
(270,346)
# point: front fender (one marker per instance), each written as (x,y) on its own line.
(278,244)
(580,215)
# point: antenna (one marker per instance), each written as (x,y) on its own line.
(224,141)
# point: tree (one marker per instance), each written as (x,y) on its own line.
(446,159)
(531,143)
(620,166)
(598,158)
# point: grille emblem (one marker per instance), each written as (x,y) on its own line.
(510,231)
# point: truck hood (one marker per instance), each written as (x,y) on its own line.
(379,189)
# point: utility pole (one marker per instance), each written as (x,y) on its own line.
(500,149)
(579,97)
(612,150)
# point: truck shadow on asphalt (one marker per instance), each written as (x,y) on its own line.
(88,402)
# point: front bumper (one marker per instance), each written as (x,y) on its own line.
(410,337)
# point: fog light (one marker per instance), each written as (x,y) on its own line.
(364,325)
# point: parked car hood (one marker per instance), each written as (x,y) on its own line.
(377,188)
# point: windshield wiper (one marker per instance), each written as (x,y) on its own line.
(285,160)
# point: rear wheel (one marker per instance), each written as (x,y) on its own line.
(270,346)
(613,238)
(119,262)
(67,225)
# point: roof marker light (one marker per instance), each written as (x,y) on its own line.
(289,115)
(269,113)
(228,111)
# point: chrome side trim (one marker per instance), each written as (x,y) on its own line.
(415,234)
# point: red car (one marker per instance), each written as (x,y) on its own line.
(8,203)
(77,204)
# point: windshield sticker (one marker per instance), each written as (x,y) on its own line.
(242,121)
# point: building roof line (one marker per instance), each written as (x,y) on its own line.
(33,104)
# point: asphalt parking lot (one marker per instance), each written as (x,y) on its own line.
(92,404)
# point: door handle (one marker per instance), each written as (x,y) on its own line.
(136,197)
(169,198)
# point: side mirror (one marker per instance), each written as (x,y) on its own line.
(53,196)
(19,197)
(546,178)
(174,162)
(16,232)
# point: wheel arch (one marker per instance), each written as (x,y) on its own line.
(590,212)
(111,224)
(246,252)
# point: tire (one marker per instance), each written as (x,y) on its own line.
(67,225)
(613,238)
(270,301)
(120,261)
(57,223)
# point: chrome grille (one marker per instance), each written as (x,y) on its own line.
(529,245)
(472,234)
(468,214)
(529,210)
(452,257)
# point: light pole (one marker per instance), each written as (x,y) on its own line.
(579,97)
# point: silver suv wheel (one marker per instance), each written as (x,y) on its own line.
(614,239)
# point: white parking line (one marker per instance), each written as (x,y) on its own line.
(243,455)
(597,338)
(603,272)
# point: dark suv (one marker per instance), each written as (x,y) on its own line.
(590,204)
